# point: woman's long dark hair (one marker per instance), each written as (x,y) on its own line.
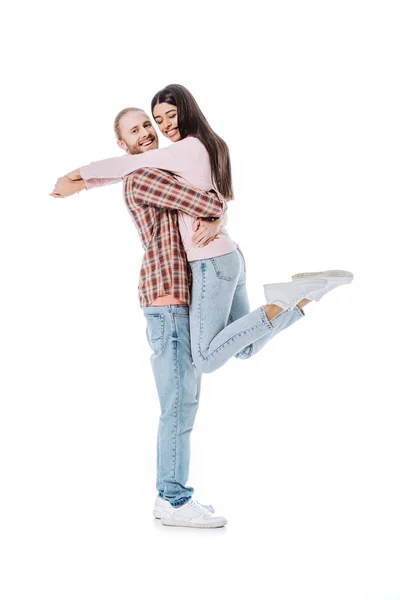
(191,121)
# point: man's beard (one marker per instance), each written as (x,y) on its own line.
(136,149)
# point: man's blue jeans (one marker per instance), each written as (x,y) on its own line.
(178,386)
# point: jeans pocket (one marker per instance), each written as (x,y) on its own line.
(226,266)
(155,332)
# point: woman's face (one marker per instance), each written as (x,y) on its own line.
(166,117)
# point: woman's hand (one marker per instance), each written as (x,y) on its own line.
(74,175)
(67,187)
(205,232)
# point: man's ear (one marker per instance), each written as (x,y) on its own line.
(122,145)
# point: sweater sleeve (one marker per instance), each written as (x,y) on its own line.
(176,158)
(92,183)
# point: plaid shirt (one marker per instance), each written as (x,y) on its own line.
(153,198)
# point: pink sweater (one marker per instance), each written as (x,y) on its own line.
(189,160)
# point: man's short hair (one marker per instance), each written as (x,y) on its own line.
(119,116)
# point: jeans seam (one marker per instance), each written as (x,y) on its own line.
(199,311)
(177,392)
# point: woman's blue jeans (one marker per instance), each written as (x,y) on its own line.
(221,324)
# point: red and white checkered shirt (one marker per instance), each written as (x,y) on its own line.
(153,198)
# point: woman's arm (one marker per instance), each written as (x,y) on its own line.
(67,187)
(177,158)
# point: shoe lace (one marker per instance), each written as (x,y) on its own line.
(199,508)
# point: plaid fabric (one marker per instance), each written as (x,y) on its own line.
(153,198)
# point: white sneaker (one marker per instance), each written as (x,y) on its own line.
(160,504)
(191,514)
(288,294)
(333,280)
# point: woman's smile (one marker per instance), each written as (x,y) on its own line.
(171,132)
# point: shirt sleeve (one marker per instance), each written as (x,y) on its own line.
(159,189)
(175,158)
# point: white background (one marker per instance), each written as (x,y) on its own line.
(299,448)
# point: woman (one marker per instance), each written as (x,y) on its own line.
(221,323)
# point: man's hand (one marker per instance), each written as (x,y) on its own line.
(67,187)
(205,232)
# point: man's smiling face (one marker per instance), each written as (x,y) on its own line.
(137,133)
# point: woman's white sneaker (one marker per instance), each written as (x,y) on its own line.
(333,279)
(286,295)
(160,504)
(191,514)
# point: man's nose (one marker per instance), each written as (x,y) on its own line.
(144,132)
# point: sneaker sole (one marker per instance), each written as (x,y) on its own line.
(340,281)
(157,513)
(170,523)
(339,274)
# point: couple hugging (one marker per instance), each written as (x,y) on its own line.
(192,284)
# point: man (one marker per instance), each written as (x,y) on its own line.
(153,198)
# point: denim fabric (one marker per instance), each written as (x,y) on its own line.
(221,324)
(178,387)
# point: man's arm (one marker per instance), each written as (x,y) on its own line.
(157,188)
